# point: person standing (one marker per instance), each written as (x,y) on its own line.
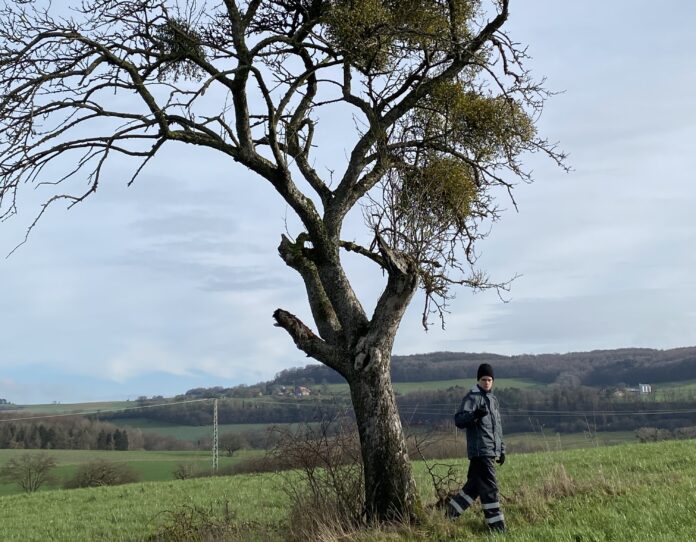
(479,414)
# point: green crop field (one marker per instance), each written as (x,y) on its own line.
(150,466)
(408,387)
(194,433)
(523,442)
(675,391)
(623,493)
(74,408)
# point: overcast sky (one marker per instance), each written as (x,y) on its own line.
(170,284)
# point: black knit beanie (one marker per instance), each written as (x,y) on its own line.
(484,370)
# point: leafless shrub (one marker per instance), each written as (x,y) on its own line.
(653,434)
(326,488)
(445,477)
(28,471)
(101,473)
(436,445)
(184,471)
(253,465)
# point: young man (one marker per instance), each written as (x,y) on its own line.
(480,416)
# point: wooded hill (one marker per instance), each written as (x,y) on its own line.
(595,368)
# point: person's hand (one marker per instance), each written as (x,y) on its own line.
(501,459)
(480,412)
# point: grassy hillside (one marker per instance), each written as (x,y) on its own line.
(193,433)
(150,466)
(670,391)
(429,385)
(74,408)
(623,493)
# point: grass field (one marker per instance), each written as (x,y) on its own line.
(684,390)
(74,408)
(408,387)
(150,466)
(193,433)
(522,442)
(621,493)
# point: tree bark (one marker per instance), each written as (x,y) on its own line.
(390,491)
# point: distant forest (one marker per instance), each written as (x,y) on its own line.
(595,368)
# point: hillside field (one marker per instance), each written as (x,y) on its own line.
(631,492)
(430,385)
(150,466)
(75,408)
(192,433)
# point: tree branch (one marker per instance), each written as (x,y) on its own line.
(308,342)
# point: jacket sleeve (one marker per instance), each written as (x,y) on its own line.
(502,437)
(465,415)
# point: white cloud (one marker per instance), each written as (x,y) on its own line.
(179,275)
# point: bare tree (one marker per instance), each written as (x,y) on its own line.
(231,442)
(28,471)
(443,110)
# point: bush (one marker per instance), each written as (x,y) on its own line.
(327,489)
(101,473)
(184,471)
(28,471)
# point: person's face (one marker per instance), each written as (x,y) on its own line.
(486,383)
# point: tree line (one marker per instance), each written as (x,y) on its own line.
(82,433)
(69,433)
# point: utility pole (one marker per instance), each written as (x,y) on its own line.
(215,436)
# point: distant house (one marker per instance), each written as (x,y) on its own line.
(302,391)
(641,389)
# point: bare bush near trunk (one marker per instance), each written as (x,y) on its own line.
(446,478)
(326,487)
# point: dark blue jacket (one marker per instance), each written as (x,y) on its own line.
(484,437)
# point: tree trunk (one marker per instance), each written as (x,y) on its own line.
(390,492)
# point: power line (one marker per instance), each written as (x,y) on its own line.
(431,409)
(510,412)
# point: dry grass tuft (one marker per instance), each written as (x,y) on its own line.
(533,502)
(199,524)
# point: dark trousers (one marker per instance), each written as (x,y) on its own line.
(480,483)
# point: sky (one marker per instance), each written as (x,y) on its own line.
(170,284)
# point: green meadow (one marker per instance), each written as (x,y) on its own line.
(630,492)
(194,433)
(431,385)
(75,408)
(681,390)
(150,466)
